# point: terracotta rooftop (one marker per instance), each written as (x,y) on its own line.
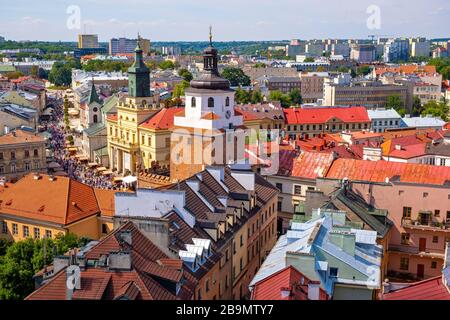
(162,120)
(61,201)
(105,201)
(309,165)
(20,136)
(430,289)
(152,275)
(288,280)
(272,111)
(407,69)
(379,171)
(321,115)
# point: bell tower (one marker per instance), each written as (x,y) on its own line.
(208,122)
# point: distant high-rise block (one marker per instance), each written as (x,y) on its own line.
(87,41)
(125,45)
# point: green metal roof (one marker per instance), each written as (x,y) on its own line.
(7,68)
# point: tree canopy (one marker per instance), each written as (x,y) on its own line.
(248,96)
(178,91)
(23,259)
(436,109)
(106,65)
(236,76)
(396,103)
(185,74)
(166,64)
(284,99)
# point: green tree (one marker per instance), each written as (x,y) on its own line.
(256,96)
(363,70)
(61,74)
(442,66)
(416,107)
(309,59)
(259,65)
(242,96)
(178,91)
(236,76)
(295,96)
(14,75)
(166,64)
(396,103)
(17,269)
(284,99)
(436,109)
(151,64)
(23,259)
(185,74)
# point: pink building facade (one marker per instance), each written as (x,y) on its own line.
(421,216)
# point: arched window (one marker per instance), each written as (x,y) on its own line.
(211,102)
(193,102)
(95,118)
(227,102)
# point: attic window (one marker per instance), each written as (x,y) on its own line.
(9,202)
(41,208)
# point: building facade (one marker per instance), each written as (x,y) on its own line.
(21,152)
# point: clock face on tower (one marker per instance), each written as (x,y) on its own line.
(228,114)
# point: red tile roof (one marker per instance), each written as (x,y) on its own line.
(309,165)
(62,201)
(162,120)
(289,280)
(272,111)
(20,136)
(430,289)
(379,171)
(407,69)
(321,115)
(146,280)
(408,151)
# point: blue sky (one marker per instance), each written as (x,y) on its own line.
(188,20)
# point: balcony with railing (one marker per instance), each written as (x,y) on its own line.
(426,221)
(414,250)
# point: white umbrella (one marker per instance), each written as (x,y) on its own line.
(129,179)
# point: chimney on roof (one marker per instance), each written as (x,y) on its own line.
(125,237)
(73,280)
(119,261)
(36,176)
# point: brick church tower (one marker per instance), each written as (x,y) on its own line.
(205,133)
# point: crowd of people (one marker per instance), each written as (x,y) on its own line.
(75,169)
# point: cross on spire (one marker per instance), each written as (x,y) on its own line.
(210,35)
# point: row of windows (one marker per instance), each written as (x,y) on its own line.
(404,264)
(210,102)
(13,167)
(327,127)
(391,122)
(297,188)
(25,231)
(407,210)
(26,154)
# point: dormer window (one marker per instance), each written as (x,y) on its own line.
(193,102)
(227,102)
(210,102)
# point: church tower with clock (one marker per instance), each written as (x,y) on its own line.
(207,124)
(136,107)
